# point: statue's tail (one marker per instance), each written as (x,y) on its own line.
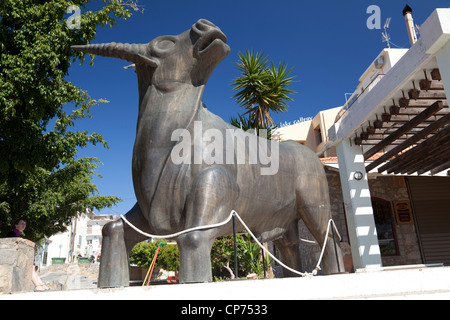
(136,53)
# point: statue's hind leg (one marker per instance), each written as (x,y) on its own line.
(314,208)
(316,220)
(288,246)
(118,240)
(210,201)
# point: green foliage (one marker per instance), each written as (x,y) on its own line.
(248,255)
(142,254)
(247,125)
(222,256)
(261,88)
(41,178)
(168,257)
(251,255)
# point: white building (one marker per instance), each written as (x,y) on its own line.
(82,238)
(312,133)
(392,142)
(400,117)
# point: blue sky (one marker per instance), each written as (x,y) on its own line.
(327,43)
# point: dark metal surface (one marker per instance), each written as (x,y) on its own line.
(271,192)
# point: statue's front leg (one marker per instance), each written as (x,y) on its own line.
(210,201)
(118,240)
(114,259)
(195,257)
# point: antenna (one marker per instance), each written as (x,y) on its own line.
(385,34)
(417,29)
(386,25)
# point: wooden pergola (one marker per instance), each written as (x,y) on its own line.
(413,133)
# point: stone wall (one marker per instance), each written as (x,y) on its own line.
(70,276)
(394,189)
(16,265)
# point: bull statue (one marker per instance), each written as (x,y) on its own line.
(175,195)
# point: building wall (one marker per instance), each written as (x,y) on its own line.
(297,132)
(58,247)
(393,188)
(83,237)
(312,133)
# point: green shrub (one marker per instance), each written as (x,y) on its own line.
(222,256)
(143,253)
(248,255)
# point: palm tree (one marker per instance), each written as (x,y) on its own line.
(262,88)
(246,124)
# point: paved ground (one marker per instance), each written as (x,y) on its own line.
(413,283)
(70,277)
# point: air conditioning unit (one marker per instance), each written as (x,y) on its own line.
(379,63)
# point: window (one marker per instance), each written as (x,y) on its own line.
(318,134)
(384,223)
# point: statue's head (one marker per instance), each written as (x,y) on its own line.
(187,58)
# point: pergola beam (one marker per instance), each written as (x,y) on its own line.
(440,168)
(435,107)
(409,142)
(436,162)
(423,147)
(423,161)
(421,94)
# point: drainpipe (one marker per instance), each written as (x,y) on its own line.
(407,13)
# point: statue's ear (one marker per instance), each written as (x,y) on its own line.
(130,52)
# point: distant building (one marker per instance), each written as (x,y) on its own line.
(311,133)
(82,238)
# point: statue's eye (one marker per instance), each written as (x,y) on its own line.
(163,45)
(166,44)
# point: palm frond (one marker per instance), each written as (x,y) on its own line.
(262,88)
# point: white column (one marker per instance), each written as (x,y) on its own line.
(358,207)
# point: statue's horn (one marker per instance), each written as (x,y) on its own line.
(130,52)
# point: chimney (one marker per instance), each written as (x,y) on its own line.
(407,13)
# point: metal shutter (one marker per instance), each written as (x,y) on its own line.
(430,198)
